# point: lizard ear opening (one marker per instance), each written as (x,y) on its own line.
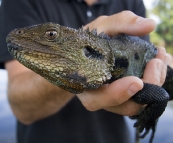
(91,53)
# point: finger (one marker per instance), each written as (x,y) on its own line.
(111,94)
(128,23)
(155,71)
(124,22)
(171,60)
(97,24)
(163,56)
(128,108)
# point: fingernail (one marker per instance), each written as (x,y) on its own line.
(141,20)
(133,89)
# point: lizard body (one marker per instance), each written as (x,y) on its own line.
(78,60)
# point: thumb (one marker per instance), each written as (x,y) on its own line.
(112,94)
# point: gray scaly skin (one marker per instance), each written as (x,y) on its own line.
(78,60)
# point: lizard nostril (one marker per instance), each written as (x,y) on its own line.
(20,32)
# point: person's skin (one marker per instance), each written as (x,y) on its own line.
(112,97)
(33,98)
(171,61)
(90,2)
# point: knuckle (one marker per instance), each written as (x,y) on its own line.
(159,69)
(167,58)
(89,106)
(131,111)
(162,51)
(115,100)
(126,12)
(163,75)
(101,18)
(160,72)
(131,108)
(126,15)
(87,101)
(98,23)
(159,62)
(162,80)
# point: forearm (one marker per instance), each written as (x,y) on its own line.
(32,98)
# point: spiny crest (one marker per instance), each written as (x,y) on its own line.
(94,32)
(71,29)
(103,35)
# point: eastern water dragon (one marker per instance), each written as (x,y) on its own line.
(78,60)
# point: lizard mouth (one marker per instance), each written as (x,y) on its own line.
(14,49)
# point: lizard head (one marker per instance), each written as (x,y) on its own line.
(75,60)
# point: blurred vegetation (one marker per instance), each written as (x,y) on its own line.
(163,35)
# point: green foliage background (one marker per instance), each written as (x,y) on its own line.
(163,35)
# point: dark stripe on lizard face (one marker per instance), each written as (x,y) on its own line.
(121,63)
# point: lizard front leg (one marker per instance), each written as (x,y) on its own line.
(156,99)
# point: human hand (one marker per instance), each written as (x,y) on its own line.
(115,97)
(171,61)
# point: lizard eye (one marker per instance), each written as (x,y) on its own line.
(91,53)
(51,35)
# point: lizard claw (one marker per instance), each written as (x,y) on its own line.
(144,124)
(155,98)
